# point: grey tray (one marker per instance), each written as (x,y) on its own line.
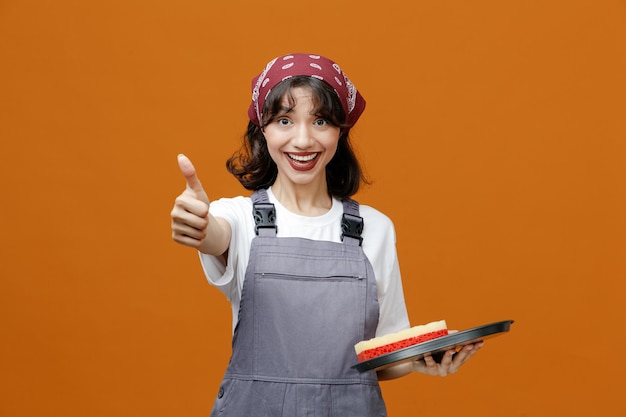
(435,346)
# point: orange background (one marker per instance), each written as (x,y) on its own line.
(494,135)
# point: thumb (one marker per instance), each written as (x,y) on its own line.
(189,172)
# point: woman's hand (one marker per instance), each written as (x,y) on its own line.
(450,363)
(192,224)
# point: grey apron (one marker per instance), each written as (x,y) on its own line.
(304,305)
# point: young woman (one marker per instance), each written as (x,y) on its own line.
(308,271)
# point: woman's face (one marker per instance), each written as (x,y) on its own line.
(301,143)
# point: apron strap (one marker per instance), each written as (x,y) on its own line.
(264,214)
(351,223)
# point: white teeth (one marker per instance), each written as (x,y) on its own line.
(303,158)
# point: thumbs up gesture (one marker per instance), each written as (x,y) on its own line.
(192,225)
(194,187)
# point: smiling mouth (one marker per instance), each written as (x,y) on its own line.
(302,162)
(302,158)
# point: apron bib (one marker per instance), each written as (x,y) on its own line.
(304,306)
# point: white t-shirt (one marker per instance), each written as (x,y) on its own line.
(379,245)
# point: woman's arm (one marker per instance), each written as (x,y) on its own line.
(396,371)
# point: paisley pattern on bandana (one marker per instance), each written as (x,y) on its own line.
(282,68)
(261,82)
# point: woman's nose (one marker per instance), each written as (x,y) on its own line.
(303,136)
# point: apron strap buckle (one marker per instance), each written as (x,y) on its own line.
(352,226)
(264,217)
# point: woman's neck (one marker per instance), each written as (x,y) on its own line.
(306,200)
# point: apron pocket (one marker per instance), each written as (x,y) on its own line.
(308,320)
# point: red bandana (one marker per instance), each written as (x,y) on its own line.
(291,65)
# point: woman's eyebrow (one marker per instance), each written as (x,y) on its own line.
(284,109)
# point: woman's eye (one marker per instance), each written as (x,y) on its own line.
(321,122)
(283,122)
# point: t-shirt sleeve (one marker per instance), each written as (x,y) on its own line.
(379,244)
(393,312)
